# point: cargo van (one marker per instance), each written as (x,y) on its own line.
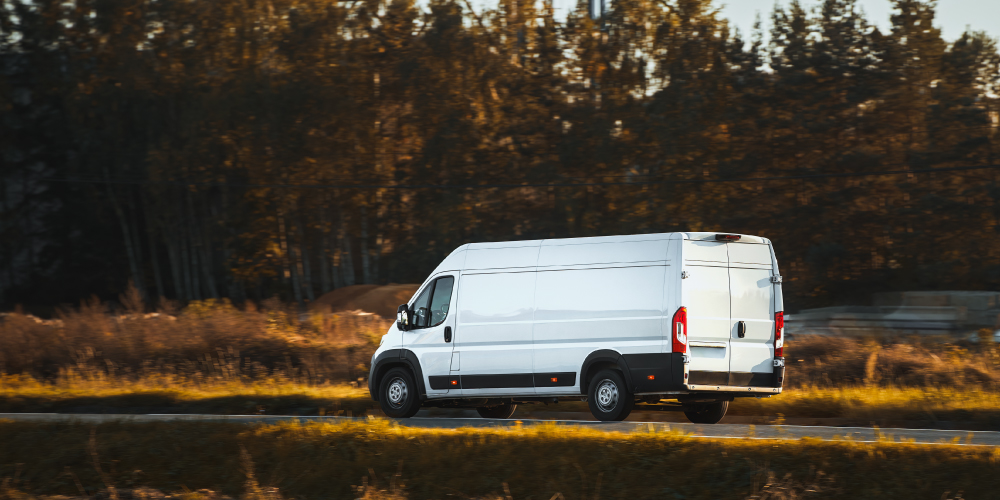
(675,321)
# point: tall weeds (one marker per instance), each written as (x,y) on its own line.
(205,340)
(214,341)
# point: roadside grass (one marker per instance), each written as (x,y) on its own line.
(213,357)
(214,339)
(209,339)
(280,396)
(172,394)
(333,460)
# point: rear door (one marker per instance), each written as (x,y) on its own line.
(752,305)
(706,296)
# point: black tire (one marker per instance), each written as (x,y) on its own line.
(501,411)
(710,413)
(397,394)
(609,397)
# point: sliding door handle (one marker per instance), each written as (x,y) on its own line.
(447,334)
(741,329)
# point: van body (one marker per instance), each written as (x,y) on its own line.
(678,321)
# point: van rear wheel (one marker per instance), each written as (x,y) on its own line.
(710,413)
(397,394)
(500,411)
(609,397)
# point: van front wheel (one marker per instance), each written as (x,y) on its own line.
(609,397)
(710,413)
(397,394)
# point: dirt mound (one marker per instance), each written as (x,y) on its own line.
(381,300)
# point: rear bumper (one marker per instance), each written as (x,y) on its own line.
(674,376)
(732,388)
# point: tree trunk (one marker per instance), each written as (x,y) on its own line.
(346,259)
(366,276)
(290,259)
(324,253)
(151,237)
(184,253)
(123,223)
(133,219)
(192,247)
(204,245)
(304,255)
(173,254)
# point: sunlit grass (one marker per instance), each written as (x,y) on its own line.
(277,395)
(874,402)
(12,386)
(329,460)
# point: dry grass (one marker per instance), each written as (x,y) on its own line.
(207,340)
(212,357)
(878,404)
(331,460)
(824,361)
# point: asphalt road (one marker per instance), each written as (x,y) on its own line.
(725,431)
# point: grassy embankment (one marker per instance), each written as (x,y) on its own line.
(326,460)
(215,358)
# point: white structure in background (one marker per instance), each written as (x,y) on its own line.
(895,313)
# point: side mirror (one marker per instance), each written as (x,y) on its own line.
(403,318)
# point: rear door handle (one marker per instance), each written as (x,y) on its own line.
(447,334)
(741,329)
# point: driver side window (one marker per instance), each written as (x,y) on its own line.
(431,307)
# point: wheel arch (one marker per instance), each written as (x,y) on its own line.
(599,360)
(393,358)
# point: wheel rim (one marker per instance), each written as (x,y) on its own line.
(396,393)
(607,395)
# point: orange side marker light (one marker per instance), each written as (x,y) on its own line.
(555,379)
(650,377)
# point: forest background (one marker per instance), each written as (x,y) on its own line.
(250,149)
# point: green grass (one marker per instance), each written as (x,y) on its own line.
(326,460)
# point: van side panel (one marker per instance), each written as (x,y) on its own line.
(506,257)
(580,311)
(493,335)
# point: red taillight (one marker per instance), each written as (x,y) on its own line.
(779,333)
(679,330)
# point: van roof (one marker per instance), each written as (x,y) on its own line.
(704,236)
(529,249)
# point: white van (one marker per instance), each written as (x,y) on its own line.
(675,321)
